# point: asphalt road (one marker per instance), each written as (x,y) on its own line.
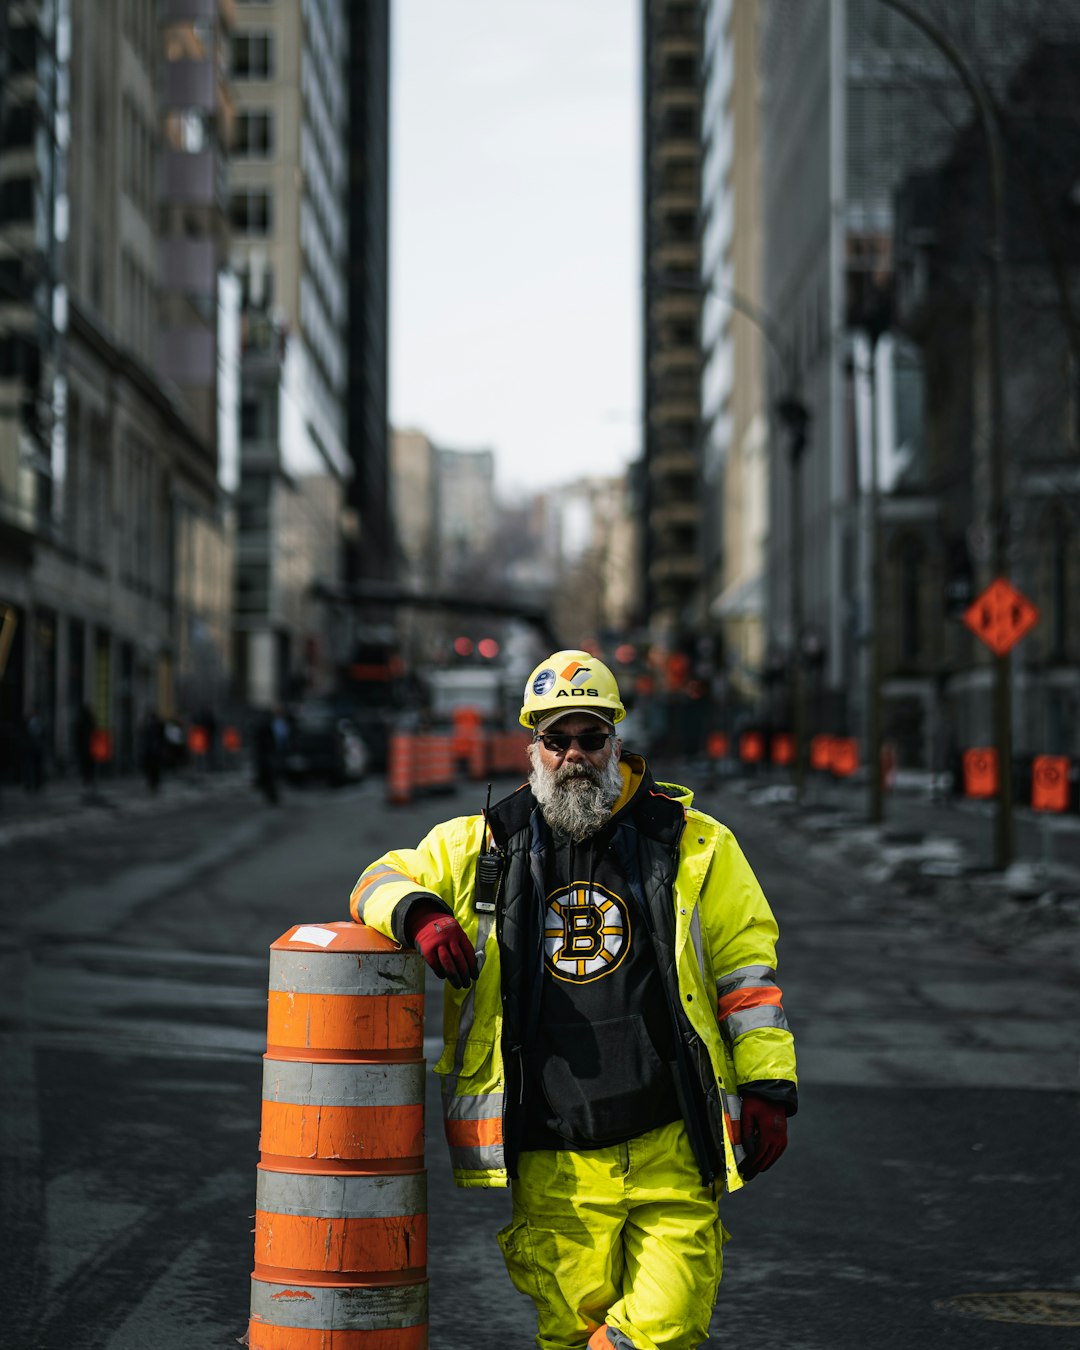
(935,1154)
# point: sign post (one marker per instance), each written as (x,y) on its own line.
(1000,617)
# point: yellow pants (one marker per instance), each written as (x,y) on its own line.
(623,1239)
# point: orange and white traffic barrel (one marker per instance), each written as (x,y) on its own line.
(341,1198)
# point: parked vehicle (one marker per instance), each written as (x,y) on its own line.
(324,744)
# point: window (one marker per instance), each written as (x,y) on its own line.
(250,211)
(253,56)
(254,134)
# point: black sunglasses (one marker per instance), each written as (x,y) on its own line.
(561,741)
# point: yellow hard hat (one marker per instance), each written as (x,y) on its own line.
(570,681)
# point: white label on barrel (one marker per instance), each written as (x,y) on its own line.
(321,937)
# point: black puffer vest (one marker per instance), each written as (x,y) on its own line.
(646,844)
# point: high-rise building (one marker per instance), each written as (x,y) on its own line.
(465,507)
(370,547)
(288,196)
(855,98)
(671,500)
(118,593)
(733,336)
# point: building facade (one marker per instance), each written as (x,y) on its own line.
(733,415)
(288,198)
(369,553)
(671,478)
(855,98)
(116,580)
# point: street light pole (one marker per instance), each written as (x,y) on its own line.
(796,417)
(1002,714)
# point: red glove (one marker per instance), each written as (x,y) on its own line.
(764,1134)
(443,944)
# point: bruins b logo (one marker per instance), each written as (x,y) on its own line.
(586,933)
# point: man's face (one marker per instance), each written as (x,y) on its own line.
(576,785)
(576,764)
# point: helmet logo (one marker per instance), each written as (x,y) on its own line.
(544,682)
(575,673)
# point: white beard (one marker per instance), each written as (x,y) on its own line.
(576,799)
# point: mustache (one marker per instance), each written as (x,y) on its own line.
(566,773)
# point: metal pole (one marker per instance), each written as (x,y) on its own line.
(1002,699)
(798,672)
(873,693)
(796,417)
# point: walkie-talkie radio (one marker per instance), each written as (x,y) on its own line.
(489,870)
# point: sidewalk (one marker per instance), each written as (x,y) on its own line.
(67,802)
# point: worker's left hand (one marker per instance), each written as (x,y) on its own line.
(764,1135)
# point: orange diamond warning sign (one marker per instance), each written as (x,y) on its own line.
(1001,616)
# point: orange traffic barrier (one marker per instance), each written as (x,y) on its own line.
(341,1199)
(230,739)
(717,745)
(1050,783)
(751,747)
(477,757)
(508,752)
(101,746)
(399,787)
(981,772)
(821,752)
(783,748)
(843,755)
(432,761)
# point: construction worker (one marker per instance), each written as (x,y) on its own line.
(615,1044)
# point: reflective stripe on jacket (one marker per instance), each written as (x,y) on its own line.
(724,969)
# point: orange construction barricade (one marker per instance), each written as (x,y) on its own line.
(844,755)
(981,772)
(751,747)
(341,1200)
(821,753)
(508,752)
(1050,783)
(783,748)
(399,768)
(716,747)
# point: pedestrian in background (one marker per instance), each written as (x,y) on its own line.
(615,1044)
(266,747)
(152,748)
(33,748)
(85,726)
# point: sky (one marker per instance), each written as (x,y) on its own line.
(515,233)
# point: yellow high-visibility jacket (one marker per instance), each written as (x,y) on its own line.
(720,936)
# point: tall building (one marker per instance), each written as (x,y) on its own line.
(466,512)
(289,185)
(117,591)
(414,494)
(370,548)
(733,415)
(942,304)
(854,99)
(672,150)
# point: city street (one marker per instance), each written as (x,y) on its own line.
(932,1166)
